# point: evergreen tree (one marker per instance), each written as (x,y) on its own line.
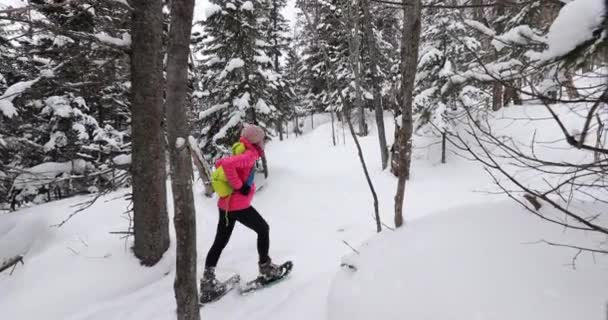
(63,97)
(236,73)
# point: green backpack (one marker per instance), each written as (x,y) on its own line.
(219,182)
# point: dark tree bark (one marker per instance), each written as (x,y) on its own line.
(403,136)
(373,64)
(185,285)
(150,220)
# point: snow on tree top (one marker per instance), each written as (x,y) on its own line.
(230,5)
(210,9)
(247,5)
(575,24)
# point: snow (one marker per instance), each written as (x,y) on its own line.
(213,109)
(230,5)
(480,27)
(242,102)
(125,41)
(58,139)
(262,107)
(122,160)
(59,105)
(519,35)
(234,63)
(210,9)
(82,131)
(463,254)
(47,73)
(180,142)
(247,6)
(39,175)
(575,24)
(235,119)
(492,267)
(12,92)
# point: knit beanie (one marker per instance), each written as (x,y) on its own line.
(253,134)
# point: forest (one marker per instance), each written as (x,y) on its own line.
(419,159)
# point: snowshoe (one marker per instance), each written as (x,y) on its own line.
(269,275)
(213,289)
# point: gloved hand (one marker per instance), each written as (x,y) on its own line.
(245,189)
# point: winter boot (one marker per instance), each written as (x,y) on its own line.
(269,270)
(211,288)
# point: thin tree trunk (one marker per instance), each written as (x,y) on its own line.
(355,60)
(497,95)
(497,87)
(443,146)
(331,112)
(409,59)
(280,128)
(185,285)
(150,221)
(265,166)
(204,171)
(373,58)
(333,130)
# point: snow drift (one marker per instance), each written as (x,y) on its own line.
(477,262)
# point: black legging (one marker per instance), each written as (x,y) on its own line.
(251,219)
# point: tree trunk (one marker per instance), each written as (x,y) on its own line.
(280,128)
(265,166)
(403,140)
(497,87)
(150,220)
(185,285)
(373,58)
(355,61)
(497,95)
(443,146)
(333,128)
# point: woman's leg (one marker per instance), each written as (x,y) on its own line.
(254,221)
(225,225)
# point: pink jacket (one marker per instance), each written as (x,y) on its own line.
(237,170)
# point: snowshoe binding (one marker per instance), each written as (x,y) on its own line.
(269,274)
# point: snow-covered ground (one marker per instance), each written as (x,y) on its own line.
(461,255)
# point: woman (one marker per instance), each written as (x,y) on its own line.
(237,207)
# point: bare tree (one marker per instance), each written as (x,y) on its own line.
(151,223)
(373,64)
(176,107)
(402,149)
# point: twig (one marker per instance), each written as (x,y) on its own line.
(347,244)
(12,263)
